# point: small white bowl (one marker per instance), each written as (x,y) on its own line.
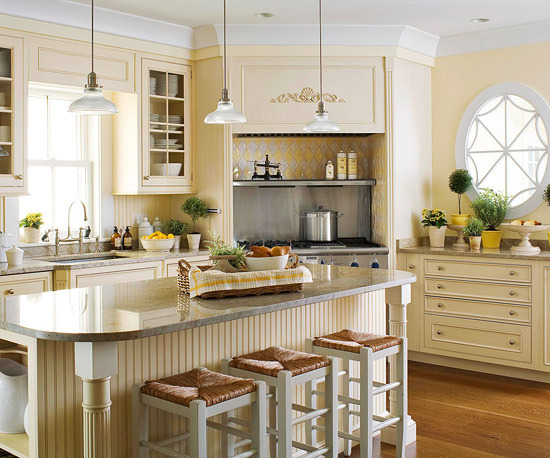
(158,245)
(271,263)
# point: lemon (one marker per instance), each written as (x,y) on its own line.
(170,236)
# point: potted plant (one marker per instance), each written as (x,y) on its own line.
(491,207)
(436,223)
(195,208)
(546,198)
(226,258)
(459,182)
(473,230)
(31,227)
(177,228)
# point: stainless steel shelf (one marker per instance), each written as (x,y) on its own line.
(309,183)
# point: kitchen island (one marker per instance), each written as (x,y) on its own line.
(87,347)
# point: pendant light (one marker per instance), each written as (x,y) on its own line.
(225,113)
(321,123)
(93,102)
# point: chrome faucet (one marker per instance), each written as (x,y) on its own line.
(69,237)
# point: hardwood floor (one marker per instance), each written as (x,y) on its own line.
(462,414)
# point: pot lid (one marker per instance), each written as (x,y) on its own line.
(320,211)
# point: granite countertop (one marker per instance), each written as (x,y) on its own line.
(142,309)
(50,263)
(484,252)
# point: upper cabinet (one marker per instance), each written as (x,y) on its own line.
(12,92)
(280,94)
(68,63)
(152,135)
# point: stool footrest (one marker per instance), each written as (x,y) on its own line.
(385,387)
(309,416)
(242,443)
(341,434)
(174,439)
(228,429)
(238,421)
(164,450)
(384,424)
(247,454)
(316,453)
(305,447)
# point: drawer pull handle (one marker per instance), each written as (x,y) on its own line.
(512,293)
(512,312)
(512,273)
(439,267)
(146,177)
(440,305)
(512,342)
(411,266)
(439,332)
(440,286)
(11,291)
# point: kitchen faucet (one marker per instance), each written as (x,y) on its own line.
(69,237)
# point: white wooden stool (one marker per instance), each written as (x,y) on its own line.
(366,348)
(282,369)
(198,395)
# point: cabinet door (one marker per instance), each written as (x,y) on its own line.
(113,275)
(12,148)
(17,285)
(167,126)
(280,94)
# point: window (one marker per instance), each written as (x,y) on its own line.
(503,142)
(63,150)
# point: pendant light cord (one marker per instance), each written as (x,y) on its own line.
(224,45)
(92,36)
(320,52)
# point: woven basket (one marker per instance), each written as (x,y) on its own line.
(183,283)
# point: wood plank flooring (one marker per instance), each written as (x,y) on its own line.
(461,414)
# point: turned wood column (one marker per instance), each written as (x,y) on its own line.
(95,363)
(398,298)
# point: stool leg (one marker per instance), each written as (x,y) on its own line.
(284,411)
(331,401)
(345,412)
(228,441)
(401,430)
(259,420)
(311,401)
(198,429)
(366,406)
(273,421)
(140,424)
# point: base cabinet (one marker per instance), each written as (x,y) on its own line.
(20,284)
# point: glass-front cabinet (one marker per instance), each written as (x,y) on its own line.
(166,110)
(12,151)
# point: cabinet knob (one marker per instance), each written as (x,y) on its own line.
(440,286)
(512,312)
(439,267)
(411,266)
(512,293)
(440,305)
(512,342)
(512,273)
(11,291)
(18,177)
(146,177)
(439,332)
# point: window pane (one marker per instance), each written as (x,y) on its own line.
(70,185)
(63,131)
(40,199)
(38,128)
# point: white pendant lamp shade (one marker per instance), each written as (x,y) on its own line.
(225,113)
(93,102)
(321,123)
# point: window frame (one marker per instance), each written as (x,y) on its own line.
(543,110)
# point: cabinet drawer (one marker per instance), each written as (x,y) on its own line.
(477,290)
(476,309)
(17,285)
(478,270)
(113,278)
(171,267)
(482,338)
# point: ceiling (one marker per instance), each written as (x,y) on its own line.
(439,17)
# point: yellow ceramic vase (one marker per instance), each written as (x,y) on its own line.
(460,220)
(491,239)
(548,233)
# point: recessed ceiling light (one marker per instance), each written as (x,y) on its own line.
(264,15)
(478,20)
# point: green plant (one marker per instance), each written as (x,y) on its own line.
(433,217)
(175,227)
(218,248)
(459,182)
(546,195)
(195,208)
(474,227)
(32,220)
(491,207)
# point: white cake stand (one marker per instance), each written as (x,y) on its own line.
(460,242)
(524,246)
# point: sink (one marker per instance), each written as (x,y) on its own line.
(78,259)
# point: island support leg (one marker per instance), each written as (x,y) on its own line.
(397,298)
(95,363)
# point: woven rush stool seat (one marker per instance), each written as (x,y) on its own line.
(273,360)
(353,341)
(211,387)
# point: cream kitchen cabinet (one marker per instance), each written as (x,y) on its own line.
(171,265)
(68,63)
(13,179)
(280,94)
(153,132)
(20,284)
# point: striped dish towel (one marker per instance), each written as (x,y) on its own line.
(214,280)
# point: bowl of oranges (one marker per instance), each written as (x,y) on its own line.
(157,241)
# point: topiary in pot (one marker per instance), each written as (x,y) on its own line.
(195,208)
(473,230)
(491,207)
(459,182)
(177,228)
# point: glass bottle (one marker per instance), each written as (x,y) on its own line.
(127,239)
(115,239)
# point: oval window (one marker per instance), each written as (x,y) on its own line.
(502,141)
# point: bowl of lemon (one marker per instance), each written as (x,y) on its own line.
(158,241)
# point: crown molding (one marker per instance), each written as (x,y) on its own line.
(505,37)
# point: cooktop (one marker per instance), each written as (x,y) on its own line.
(358,242)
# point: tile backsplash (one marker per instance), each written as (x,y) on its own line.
(304,158)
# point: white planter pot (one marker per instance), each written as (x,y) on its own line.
(32,235)
(177,242)
(13,396)
(194,241)
(437,236)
